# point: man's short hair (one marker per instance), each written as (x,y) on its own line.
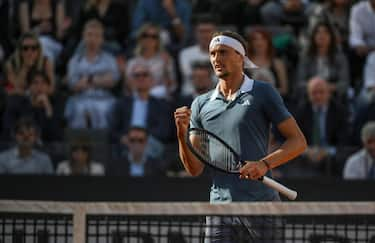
(25,122)
(368,131)
(138,128)
(37,73)
(204,18)
(94,23)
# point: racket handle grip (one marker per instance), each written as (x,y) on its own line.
(290,194)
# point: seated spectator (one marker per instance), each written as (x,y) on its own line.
(262,53)
(324,59)
(204,29)
(44,108)
(23,158)
(149,49)
(113,15)
(201,79)
(361,165)
(80,161)
(141,109)
(92,74)
(27,56)
(324,122)
(47,19)
(171,15)
(137,162)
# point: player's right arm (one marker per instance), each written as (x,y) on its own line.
(182,119)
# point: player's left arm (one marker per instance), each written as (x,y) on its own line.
(294,145)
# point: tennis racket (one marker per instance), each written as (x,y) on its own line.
(214,152)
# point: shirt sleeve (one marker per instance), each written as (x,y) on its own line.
(113,67)
(351,170)
(356,31)
(195,121)
(73,72)
(369,71)
(274,105)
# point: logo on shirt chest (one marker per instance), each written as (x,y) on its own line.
(246,100)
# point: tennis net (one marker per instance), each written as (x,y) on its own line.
(310,222)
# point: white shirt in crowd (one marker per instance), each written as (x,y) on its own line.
(362,19)
(94,169)
(359,166)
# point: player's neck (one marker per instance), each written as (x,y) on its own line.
(230,85)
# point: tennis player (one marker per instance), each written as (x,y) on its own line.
(241,111)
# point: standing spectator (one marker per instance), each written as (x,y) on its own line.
(80,161)
(204,28)
(361,165)
(149,49)
(141,109)
(113,15)
(324,122)
(324,59)
(45,109)
(362,34)
(23,158)
(27,56)
(137,163)
(47,19)
(171,15)
(262,53)
(92,74)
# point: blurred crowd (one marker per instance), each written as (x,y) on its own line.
(89,87)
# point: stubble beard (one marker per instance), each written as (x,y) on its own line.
(223,74)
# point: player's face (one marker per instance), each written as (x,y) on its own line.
(225,61)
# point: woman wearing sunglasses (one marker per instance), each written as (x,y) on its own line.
(27,56)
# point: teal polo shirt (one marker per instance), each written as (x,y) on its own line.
(244,123)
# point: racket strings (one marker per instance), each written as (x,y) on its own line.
(214,152)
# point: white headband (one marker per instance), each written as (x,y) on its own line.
(235,44)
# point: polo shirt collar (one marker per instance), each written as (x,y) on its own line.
(247,86)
